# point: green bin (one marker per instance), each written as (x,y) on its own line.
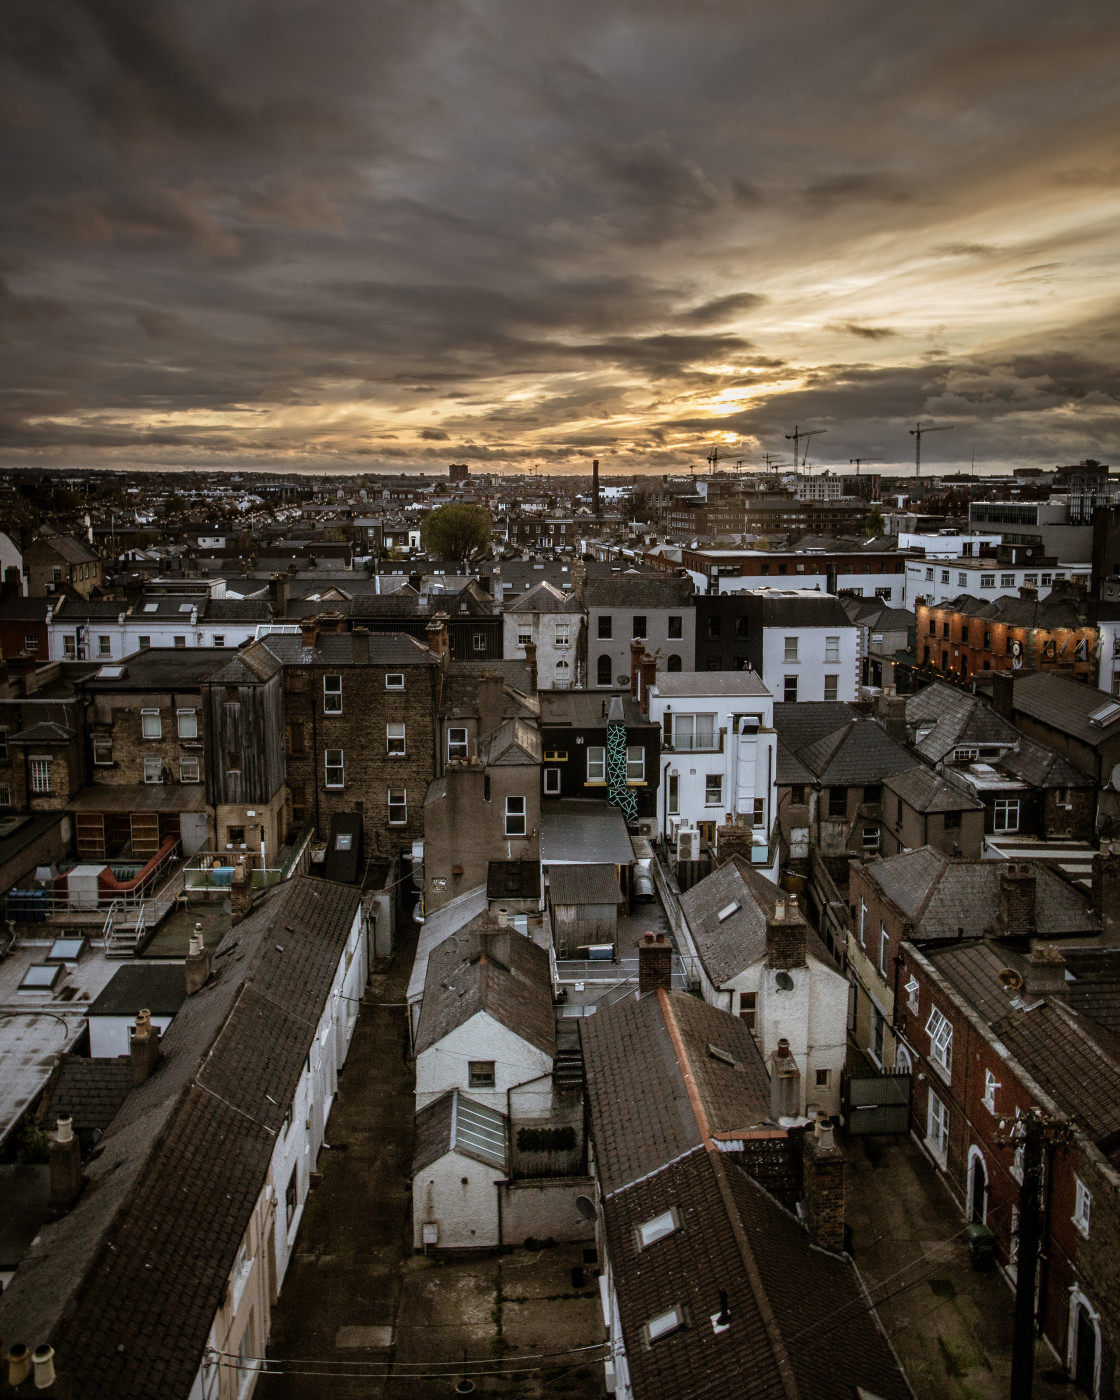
(981,1246)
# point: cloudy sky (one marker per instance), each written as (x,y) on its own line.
(354,234)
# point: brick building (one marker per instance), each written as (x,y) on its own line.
(971,635)
(58,563)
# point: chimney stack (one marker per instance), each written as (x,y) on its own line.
(595,485)
(785,1083)
(144,1047)
(1017,891)
(647,676)
(309,630)
(437,635)
(655,964)
(822,1185)
(199,962)
(1106,887)
(1044,971)
(279,591)
(491,690)
(637,648)
(531,662)
(785,935)
(493,945)
(65,1167)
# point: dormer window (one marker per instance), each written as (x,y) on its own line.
(667,1223)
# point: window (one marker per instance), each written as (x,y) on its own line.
(1007,580)
(789,689)
(748,1008)
(838,802)
(394,737)
(664,1324)
(56,573)
(457,742)
(478,641)
(929,575)
(480,1074)
(676,625)
(635,764)
(394,680)
(552,782)
(153,769)
(991,1084)
(940,1031)
(1082,1207)
(822,1079)
(790,649)
(937,1128)
(563,632)
(944,575)
(962,580)
(673,801)
(987,580)
(604,629)
(291,1197)
(830,687)
(144,643)
(398,806)
(603,671)
(30,643)
(831,649)
(912,990)
(235,835)
(1005,814)
(218,639)
(758,812)
(151,727)
(870,839)
(797,795)
(104,646)
(713,790)
(516,818)
(862,920)
(332,695)
(884,945)
(69,648)
(188,723)
(952,821)
(40,775)
(102,749)
(639,629)
(334,768)
(694,732)
(878,1025)
(713,629)
(179,642)
(188,770)
(656,1229)
(596,764)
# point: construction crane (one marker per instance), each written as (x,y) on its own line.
(713,459)
(860,460)
(797,436)
(917,433)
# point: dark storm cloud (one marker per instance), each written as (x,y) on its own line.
(533,229)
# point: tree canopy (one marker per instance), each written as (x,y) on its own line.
(455,531)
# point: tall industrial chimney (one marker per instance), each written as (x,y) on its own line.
(595,486)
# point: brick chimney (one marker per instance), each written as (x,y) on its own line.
(437,636)
(65,1167)
(309,630)
(332,621)
(493,945)
(1017,895)
(144,1047)
(1003,693)
(733,839)
(1106,886)
(647,676)
(785,1083)
(279,591)
(785,935)
(491,692)
(199,962)
(1044,971)
(637,647)
(531,662)
(823,1171)
(655,964)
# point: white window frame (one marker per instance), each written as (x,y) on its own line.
(153,765)
(940,1031)
(332,694)
(790,649)
(151,724)
(458,747)
(552,782)
(1083,1205)
(394,680)
(884,943)
(695,733)
(991,1084)
(102,743)
(398,802)
(218,639)
(635,763)
(1002,810)
(524,634)
(937,1128)
(831,687)
(187,767)
(104,645)
(832,649)
(596,763)
(517,816)
(713,782)
(334,774)
(41,775)
(396,738)
(563,634)
(659,1228)
(187,723)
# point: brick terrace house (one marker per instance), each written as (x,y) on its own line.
(58,563)
(1078,722)
(362,730)
(921,808)
(970,635)
(989,1035)
(23,627)
(924,897)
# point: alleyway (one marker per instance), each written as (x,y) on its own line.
(950,1325)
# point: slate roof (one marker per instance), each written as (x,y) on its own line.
(73,550)
(455,1123)
(351,649)
(1042,768)
(1095,990)
(160,988)
(465,976)
(126,1286)
(1009,608)
(513,742)
(974,968)
(589,709)
(926,791)
(545,597)
(641,1115)
(1065,705)
(583,832)
(459,692)
(801,607)
(942,896)
(638,591)
(90,1091)
(789,769)
(160,668)
(957,718)
(801,724)
(45,732)
(584,884)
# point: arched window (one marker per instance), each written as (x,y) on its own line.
(603,671)
(674,662)
(977,1187)
(563,674)
(1083,1344)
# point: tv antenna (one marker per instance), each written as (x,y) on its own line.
(917,434)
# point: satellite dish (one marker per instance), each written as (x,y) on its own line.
(1012,981)
(586,1207)
(784,981)
(622,679)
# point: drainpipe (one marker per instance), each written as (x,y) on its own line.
(315,756)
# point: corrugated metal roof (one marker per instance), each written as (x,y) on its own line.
(584,884)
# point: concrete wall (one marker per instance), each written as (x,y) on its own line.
(545,1209)
(811,666)
(460,1195)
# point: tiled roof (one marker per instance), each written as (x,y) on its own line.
(638,591)
(515,741)
(584,884)
(727,946)
(74,551)
(860,753)
(584,831)
(352,649)
(1041,767)
(927,791)
(90,1091)
(126,1286)
(1065,705)
(159,987)
(789,769)
(803,607)
(588,709)
(974,968)
(803,723)
(544,598)
(465,977)
(455,1123)
(1095,990)
(956,718)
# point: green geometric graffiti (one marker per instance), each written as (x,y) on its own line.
(620,795)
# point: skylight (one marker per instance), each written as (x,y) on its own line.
(664,1323)
(1105,714)
(657,1228)
(727,910)
(110,673)
(151,607)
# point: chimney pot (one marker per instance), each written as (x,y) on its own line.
(144,1049)
(65,1167)
(783,1048)
(43,1360)
(19,1364)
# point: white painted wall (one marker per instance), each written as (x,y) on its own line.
(1108,675)
(891,587)
(939,581)
(550,674)
(460,1195)
(109,1035)
(812,664)
(124,633)
(446,1065)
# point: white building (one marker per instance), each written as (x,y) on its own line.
(761,961)
(718,757)
(546,624)
(940,581)
(804,644)
(109,630)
